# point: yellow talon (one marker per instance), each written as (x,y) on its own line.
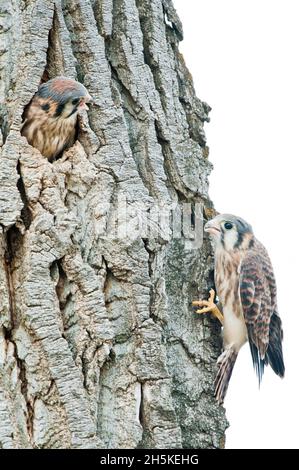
(208,306)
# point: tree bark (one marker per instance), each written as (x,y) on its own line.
(99,346)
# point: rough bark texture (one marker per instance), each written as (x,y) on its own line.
(98,343)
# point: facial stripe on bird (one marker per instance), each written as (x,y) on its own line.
(246,289)
(230,231)
(45,107)
(59,109)
(68,95)
(75,109)
(50,118)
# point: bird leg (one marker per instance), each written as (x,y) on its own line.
(209,306)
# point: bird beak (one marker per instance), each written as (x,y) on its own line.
(211,227)
(87,99)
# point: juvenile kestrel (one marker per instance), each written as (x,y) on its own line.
(50,118)
(246,289)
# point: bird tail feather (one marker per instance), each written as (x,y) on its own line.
(274,355)
(225,364)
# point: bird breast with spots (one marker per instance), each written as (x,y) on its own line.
(46,132)
(50,118)
(246,288)
(227,268)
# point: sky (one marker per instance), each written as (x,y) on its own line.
(243,56)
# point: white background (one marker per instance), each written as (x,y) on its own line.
(244,56)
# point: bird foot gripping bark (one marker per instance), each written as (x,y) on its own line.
(208,306)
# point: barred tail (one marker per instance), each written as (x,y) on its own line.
(226,364)
(274,355)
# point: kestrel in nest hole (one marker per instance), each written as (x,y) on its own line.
(51,116)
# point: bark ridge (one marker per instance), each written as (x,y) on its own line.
(98,343)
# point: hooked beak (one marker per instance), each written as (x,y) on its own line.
(211,228)
(87,99)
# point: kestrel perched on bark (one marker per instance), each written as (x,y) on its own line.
(246,289)
(50,118)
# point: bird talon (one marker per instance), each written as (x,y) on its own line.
(212,296)
(208,306)
(247,291)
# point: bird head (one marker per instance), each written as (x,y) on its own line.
(63,97)
(229,231)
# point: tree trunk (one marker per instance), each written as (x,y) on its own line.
(99,346)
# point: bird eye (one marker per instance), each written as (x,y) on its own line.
(228,226)
(75,101)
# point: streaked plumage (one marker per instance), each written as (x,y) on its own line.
(246,288)
(50,118)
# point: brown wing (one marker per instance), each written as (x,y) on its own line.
(34,116)
(258,297)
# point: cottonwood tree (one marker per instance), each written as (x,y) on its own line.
(99,346)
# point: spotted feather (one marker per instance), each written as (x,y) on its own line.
(51,116)
(246,289)
(258,297)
